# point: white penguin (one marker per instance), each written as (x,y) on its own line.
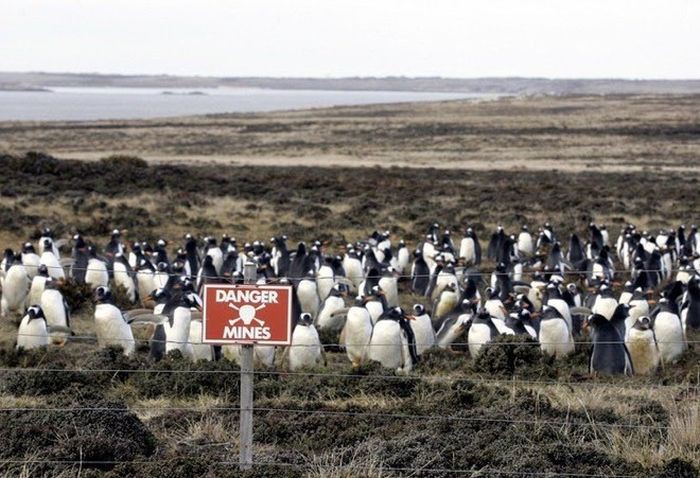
(392,343)
(15,285)
(357,332)
(307,293)
(96,274)
(111,327)
(526,245)
(305,350)
(403,257)
(177,326)
(32,331)
(555,336)
(467,248)
(388,282)
(376,304)
(325,280)
(353,267)
(642,347)
(422,329)
(605,304)
(55,310)
(328,318)
(123,276)
(37,286)
(481,331)
(30,259)
(669,332)
(51,260)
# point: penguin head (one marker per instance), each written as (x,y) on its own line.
(419,309)
(35,312)
(42,270)
(571,287)
(48,244)
(162,267)
(161,243)
(92,251)
(305,319)
(643,323)
(192,300)
(525,228)
(28,248)
(116,234)
(102,295)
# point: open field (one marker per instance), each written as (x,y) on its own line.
(511,412)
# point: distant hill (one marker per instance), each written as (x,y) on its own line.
(514,85)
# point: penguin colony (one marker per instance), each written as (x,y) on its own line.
(353,297)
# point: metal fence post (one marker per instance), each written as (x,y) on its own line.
(246,399)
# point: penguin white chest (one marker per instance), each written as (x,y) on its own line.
(179,333)
(358,330)
(112,329)
(54,311)
(643,351)
(325,319)
(479,334)
(390,287)
(555,337)
(305,350)
(32,334)
(308,297)
(670,336)
(423,331)
(386,346)
(96,275)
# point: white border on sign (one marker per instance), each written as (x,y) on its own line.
(207,287)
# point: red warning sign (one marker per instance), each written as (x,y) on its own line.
(247,314)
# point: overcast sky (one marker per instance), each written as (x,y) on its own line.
(328,38)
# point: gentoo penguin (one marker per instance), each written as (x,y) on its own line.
(526,245)
(376,304)
(80,257)
(520,323)
(555,337)
(669,331)
(388,282)
(56,310)
(445,303)
(493,305)
(125,276)
(393,343)
(639,307)
(15,284)
(627,293)
(178,311)
(353,267)
(609,354)
(145,278)
(97,274)
(215,252)
(207,274)
(37,287)
(422,329)
(325,278)
(51,260)
(642,347)
(556,301)
(307,293)
(305,350)
(301,263)
(30,259)
(605,303)
(280,256)
(111,327)
(690,314)
(47,233)
(357,332)
(327,318)
(192,255)
(481,331)
(201,351)
(32,331)
(454,326)
(420,274)
(403,257)
(445,275)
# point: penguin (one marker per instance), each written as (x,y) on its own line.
(639,307)
(481,331)
(388,282)
(300,264)
(33,332)
(280,256)
(627,293)
(669,331)
(80,257)
(207,274)
(56,310)
(97,274)
(556,301)
(520,323)
(393,343)
(353,267)
(201,351)
(145,279)
(15,284)
(51,260)
(609,354)
(403,257)
(47,234)
(454,326)
(420,274)
(690,314)
(605,303)
(325,278)
(327,318)
(30,259)
(555,337)
(307,293)
(162,276)
(214,251)
(526,245)
(642,347)
(305,350)
(357,332)
(493,305)
(192,256)
(124,276)
(178,314)
(376,304)
(422,328)
(111,327)
(445,303)
(37,286)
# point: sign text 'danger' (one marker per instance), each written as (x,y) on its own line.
(244,314)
